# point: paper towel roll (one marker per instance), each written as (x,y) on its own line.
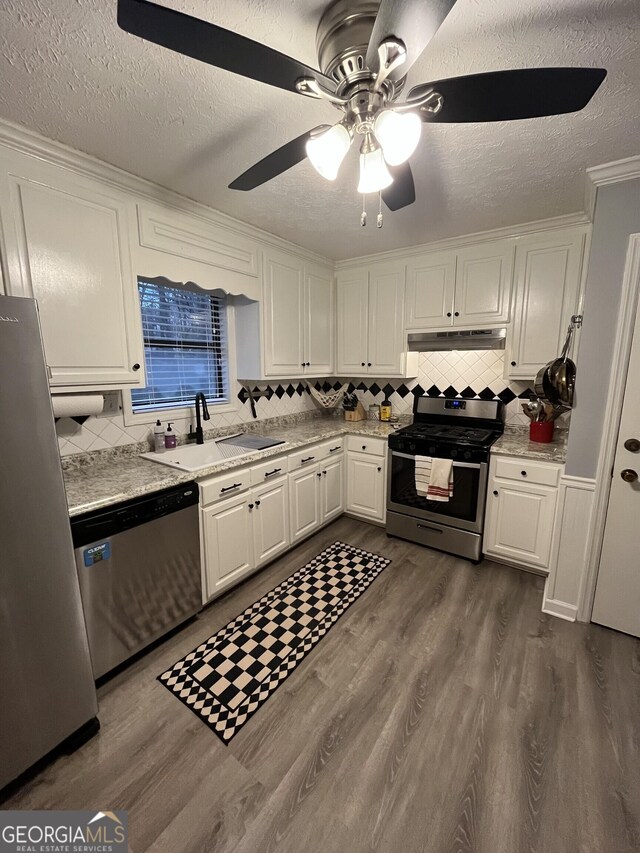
(73,405)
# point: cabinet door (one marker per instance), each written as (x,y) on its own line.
(228,543)
(366,477)
(483,284)
(520,523)
(332,488)
(304,502)
(318,322)
(386,349)
(352,294)
(270,516)
(431,281)
(67,245)
(283,315)
(547,276)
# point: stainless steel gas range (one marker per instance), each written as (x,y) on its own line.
(448,428)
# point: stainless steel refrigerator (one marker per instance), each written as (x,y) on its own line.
(47,691)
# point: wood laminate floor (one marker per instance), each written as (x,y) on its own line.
(443,713)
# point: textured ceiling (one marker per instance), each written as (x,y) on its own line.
(67,71)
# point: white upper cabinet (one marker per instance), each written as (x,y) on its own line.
(319,321)
(370,326)
(547,285)
(283,313)
(483,284)
(431,281)
(67,244)
(467,287)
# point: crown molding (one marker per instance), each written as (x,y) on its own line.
(540,226)
(615,172)
(29,142)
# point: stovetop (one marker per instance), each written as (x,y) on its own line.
(468,435)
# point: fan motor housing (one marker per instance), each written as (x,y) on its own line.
(342,40)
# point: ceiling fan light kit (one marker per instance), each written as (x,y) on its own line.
(365,51)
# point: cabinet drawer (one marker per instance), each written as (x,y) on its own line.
(271,470)
(330,448)
(305,457)
(366,444)
(526,471)
(226,486)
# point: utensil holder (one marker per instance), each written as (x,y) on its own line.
(541,431)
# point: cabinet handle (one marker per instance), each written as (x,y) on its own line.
(495,492)
(271,473)
(368,364)
(364,446)
(448,313)
(324,473)
(136,366)
(307,459)
(308,364)
(524,473)
(229,488)
(379,469)
(456,313)
(250,506)
(302,365)
(333,449)
(318,475)
(513,364)
(257,503)
(362,364)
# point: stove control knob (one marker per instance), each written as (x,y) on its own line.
(412,448)
(454,453)
(467,454)
(432,449)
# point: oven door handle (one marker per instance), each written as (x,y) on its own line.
(476,465)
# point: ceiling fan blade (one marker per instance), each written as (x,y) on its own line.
(516,94)
(414,22)
(402,191)
(215,45)
(274,164)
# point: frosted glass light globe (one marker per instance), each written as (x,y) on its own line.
(327,150)
(399,134)
(374,175)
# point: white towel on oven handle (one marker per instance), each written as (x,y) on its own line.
(441,481)
(423,475)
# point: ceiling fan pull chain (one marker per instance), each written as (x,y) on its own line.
(379,220)
(363,215)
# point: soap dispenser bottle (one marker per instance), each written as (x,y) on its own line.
(158,438)
(170,438)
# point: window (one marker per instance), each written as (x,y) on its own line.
(185,348)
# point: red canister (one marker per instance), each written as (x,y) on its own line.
(541,431)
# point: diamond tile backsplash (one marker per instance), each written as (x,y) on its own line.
(464,374)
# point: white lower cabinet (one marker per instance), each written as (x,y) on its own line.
(367,478)
(304,502)
(270,514)
(332,489)
(521,511)
(227,543)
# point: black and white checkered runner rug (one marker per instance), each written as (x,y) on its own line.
(227,678)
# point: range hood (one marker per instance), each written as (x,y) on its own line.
(457,339)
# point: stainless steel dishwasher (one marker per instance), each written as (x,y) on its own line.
(139,569)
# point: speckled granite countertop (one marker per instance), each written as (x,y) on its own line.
(515,442)
(117,477)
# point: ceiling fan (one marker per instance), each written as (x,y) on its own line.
(365,49)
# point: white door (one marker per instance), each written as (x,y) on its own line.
(270,515)
(332,504)
(431,281)
(68,247)
(319,322)
(228,542)
(386,347)
(366,486)
(483,284)
(352,296)
(304,502)
(617,601)
(283,315)
(547,281)
(520,523)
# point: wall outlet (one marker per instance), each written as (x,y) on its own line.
(112,404)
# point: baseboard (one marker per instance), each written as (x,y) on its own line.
(561,609)
(532,570)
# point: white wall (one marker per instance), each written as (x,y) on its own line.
(617,216)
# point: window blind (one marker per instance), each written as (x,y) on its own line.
(185,348)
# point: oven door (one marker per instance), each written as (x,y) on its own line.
(465,510)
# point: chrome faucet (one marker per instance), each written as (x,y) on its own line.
(199,434)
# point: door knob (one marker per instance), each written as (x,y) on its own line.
(632,444)
(629,475)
